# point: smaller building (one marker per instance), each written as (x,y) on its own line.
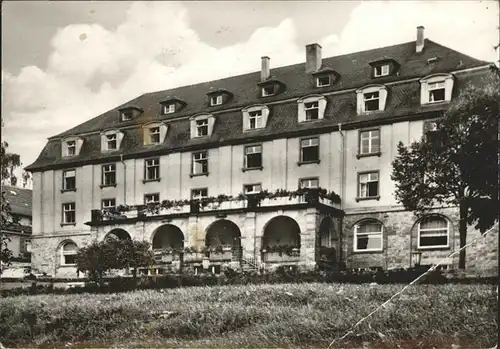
(19,232)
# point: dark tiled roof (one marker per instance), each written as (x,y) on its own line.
(19,200)
(354,69)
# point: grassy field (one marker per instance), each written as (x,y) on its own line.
(300,315)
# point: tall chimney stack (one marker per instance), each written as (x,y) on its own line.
(265,72)
(420,38)
(313,58)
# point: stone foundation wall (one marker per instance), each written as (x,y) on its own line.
(400,242)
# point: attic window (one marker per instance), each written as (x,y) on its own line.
(71,146)
(268,91)
(127,115)
(202,125)
(216,100)
(169,108)
(371,101)
(111,140)
(255,117)
(436,88)
(322,81)
(381,70)
(311,108)
(371,98)
(154,133)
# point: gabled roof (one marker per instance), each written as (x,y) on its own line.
(354,71)
(20,200)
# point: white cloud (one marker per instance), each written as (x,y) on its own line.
(155,48)
(470,27)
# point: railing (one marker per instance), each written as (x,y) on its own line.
(197,207)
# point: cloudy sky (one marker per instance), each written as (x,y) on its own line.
(66,62)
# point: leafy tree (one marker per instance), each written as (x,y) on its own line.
(98,258)
(456,164)
(9,162)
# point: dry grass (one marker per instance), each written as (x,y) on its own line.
(253,316)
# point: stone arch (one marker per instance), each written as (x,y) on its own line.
(117,233)
(327,241)
(167,236)
(223,232)
(281,231)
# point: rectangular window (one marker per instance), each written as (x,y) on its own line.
(309,183)
(154,135)
(169,108)
(27,246)
(382,70)
(201,128)
(68,214)
(69,180)
(216,100)
(127,115)
(433,233)
(312,111)
(252,188)
(323,81)
(371,101)
(368,185)
(267,91)
(200,163)
(255,119)
(198,194)
(152,169)
(436,91)
(71,148)
(253,156)
(368,236)
(309,149)
(151,198)
(108,203)
(108,174)
(111,142)
(369,142)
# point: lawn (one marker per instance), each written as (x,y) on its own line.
(264,316)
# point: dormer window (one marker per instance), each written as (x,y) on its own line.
(312,111)
(154,133)
(322,81)
(71,146)
(111,140)
(216,100)
(129,113)
(381,70)
(311,108)
(324,77)
(371,98)
(171,105)
(201,128)
(202,125)
(218,96)
(372,101)
(169,108)
(255,117)
(268,91)
(384,67)
(436,88)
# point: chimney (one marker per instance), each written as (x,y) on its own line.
(313,58)
(420,38)
(264,70)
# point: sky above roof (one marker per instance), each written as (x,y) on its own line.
(66,62)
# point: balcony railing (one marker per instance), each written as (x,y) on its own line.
(250,202)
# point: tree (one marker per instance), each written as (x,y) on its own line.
(98,258)
(456,163)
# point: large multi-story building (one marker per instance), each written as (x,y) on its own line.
(247,148)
